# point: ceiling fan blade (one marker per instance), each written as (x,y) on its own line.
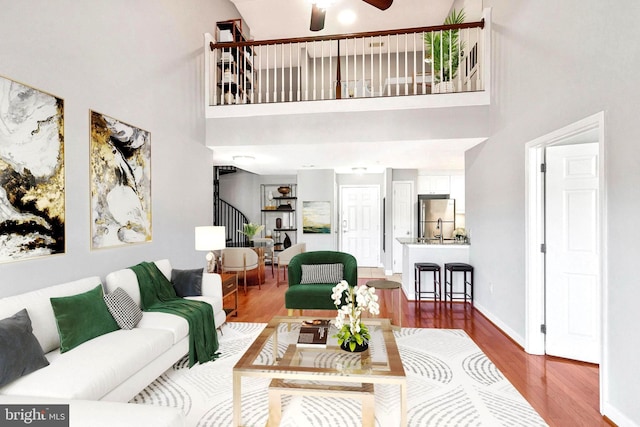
(380,4)
(317,18)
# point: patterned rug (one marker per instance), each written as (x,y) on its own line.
(451,382)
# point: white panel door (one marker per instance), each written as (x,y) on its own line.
(402,218)
(360,224)
(572,257)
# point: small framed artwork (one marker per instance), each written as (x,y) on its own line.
(120,183)
(316,217)
(32,172)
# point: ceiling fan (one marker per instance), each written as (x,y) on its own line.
(319,10)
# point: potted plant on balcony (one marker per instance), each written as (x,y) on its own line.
(443,49)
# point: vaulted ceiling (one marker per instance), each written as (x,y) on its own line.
(276,19)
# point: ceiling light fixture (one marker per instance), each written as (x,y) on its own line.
(243,160)
(347,17)
(359,170)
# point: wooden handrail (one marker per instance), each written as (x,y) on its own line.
(226,45)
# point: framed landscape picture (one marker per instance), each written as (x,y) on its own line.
(120,183)
(316,217)
(32,173)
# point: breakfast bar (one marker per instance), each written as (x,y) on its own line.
(418,250)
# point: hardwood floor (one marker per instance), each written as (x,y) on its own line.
(564,392)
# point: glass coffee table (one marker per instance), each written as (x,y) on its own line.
(320,371)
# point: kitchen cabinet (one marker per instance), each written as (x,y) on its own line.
(433,184)
(234,75)
(457,192)
(279,214)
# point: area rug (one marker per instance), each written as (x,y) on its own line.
(451,382)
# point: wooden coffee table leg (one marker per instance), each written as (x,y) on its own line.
(368,410)
(237,396)
(275,408)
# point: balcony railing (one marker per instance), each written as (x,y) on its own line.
(416,61)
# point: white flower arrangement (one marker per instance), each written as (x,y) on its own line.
(348,321)
(459,232)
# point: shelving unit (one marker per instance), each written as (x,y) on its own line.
(277,204)
(234,73)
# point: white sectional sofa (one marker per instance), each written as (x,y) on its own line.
(112,367)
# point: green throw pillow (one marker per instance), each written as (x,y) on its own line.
(82,317)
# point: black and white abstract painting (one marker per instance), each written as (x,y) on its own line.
(120,183)
(32,174)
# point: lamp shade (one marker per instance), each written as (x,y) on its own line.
(210,238)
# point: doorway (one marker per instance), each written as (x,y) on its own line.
(360,223)
(402,219)
(542,225)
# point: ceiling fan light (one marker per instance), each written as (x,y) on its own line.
(347,17)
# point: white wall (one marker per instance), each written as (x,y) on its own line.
(555,63)
(140,62)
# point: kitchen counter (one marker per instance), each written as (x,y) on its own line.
(414,250)
(429,242)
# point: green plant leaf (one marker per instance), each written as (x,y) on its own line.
(443,48)
(352,346)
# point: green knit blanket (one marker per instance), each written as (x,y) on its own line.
(157,294)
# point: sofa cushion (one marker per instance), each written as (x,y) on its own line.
(123,308)
(322,273)
(20,352)
(310,297)
(82,317)
(176,325)
(40,311)
(94,368)
(187,283)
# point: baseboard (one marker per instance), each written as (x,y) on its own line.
(617,417)
(517,338)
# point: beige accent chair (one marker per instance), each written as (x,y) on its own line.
(282,259)
(241,260)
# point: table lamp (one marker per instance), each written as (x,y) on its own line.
(210,238)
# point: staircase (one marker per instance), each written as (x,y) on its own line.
(226,214)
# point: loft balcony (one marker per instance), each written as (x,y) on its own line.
(427,67)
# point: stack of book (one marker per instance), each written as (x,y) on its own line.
(313,334)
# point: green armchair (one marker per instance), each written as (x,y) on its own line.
(316,296)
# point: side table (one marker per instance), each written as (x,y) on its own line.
(230,286)
(389,284)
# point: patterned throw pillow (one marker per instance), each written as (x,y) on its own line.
(123,308)
(321,273)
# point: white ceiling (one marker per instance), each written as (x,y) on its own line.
(276,19)
(287,159)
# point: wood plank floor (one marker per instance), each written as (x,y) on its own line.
(565,393)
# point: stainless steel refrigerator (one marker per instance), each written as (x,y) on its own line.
(436,215)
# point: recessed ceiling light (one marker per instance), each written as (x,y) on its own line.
(243,160)
(347,17)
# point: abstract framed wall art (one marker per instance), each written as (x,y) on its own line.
(120,162)
(316,217)
(32,173)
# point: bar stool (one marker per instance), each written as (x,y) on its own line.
(437,280)
(453,267)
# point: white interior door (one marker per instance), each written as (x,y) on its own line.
(572,296)
(402,218)
(360,223)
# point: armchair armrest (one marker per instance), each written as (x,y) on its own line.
(211,285)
